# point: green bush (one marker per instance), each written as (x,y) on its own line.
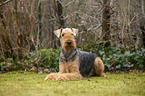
(114,58)
(37,61)
(48,58)
(44,59)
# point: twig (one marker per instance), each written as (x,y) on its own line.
(69,3)
(3,3)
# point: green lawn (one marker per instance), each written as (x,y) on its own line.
(33,84)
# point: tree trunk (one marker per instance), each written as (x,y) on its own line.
(51,26)
(106,22)
(19,34)
(59,11)
(142,22)
(5,38)
(59,14)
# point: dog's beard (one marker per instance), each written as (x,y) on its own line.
(68,48)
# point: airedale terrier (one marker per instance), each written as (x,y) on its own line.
(75,64)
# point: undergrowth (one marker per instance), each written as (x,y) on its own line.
(47,60)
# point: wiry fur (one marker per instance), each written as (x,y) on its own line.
(75,64)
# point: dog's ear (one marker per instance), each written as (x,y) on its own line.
(58,32)
(75,31)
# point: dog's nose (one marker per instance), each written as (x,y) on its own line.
(69,42)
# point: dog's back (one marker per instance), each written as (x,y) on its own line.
(86,62)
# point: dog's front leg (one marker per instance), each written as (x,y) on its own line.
(52,76)
(69,76)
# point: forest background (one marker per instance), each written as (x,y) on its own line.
(112,29)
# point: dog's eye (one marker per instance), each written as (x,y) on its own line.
(72,34)
(62,34)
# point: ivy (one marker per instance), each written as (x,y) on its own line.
(114,58)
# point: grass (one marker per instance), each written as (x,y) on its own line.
(33,84)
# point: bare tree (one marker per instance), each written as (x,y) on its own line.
(59,12)
(6,44)
(142,21)
(106,22)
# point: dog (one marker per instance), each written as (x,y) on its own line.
(75,64)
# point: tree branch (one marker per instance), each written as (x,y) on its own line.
(3,3)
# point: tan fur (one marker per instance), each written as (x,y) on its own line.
(98,68)
(69,67)
(65,38)
(69,76)
(70,70)
(52,76)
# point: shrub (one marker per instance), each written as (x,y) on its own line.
(37,61)
(114,58)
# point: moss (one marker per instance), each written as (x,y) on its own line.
(28,84)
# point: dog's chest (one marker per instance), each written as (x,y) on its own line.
(72,66)
(68,57)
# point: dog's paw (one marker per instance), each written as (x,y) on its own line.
(52,76)
(103,75)
(49,77)
(61,78)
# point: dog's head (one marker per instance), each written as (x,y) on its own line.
(67,38)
